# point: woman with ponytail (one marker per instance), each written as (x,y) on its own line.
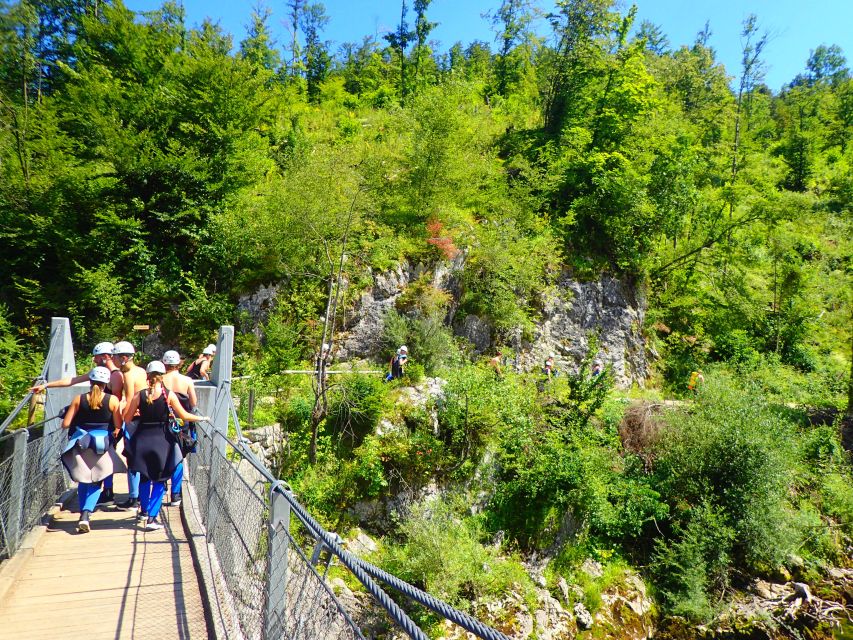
(151,450)
(89,456)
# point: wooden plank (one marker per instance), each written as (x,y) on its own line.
(117,581)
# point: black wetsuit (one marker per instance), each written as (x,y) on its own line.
(86,415)
(152,445)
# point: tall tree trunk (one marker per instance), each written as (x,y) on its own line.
(321,385)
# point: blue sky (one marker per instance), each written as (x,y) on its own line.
(795,26)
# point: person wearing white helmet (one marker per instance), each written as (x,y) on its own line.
(200,368)
(398,363)
(152,446)
(134,380)
(101,357)
(184,389)
(134,375)
(90,456)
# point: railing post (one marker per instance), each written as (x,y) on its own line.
(220,375)
(61,364)
(277,567)
(250,412)
(16,499)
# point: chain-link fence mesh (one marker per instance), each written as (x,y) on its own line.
(232,498)
(44,477)
(41,481)
(6,545)
(310,608)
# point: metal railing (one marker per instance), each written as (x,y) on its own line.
(31,474)
(31,479)
(263,538)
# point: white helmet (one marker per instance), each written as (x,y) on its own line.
(155,366)
(103,349)
(552,356)
(209,350)
(404,349)
(123,348)
(171,357)
(100,374)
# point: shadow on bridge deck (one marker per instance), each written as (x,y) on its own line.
(117,581)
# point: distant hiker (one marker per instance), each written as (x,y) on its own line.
(200,368)
(322,362)
(597,368)
(548,368)
(495,363)
(398,364)
(695,380)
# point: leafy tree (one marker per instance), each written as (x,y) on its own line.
(258,46)
(399,41)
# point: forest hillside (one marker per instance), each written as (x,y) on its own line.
(162,175)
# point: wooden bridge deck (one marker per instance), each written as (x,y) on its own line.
(117,581)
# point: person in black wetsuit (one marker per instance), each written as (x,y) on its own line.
(89,456)
(152,446)
(200,368)
(184,389)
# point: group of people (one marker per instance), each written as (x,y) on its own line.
(144,410)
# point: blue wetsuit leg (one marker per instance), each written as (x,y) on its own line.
(133,484)
(178,479)
(108,482)
(88,494)
(144,494)
(158,489)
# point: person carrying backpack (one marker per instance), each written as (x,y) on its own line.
(398,364)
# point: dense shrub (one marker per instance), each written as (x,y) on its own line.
(442,553)
(355,407)
(430,342)
(734,453)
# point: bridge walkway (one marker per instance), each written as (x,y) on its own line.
(115,582)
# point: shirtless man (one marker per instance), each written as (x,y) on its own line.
(135,379)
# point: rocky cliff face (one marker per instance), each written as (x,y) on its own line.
(610,309)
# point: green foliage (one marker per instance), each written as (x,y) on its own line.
(567,469)
(18,366)
(695,563)
(443,554)
(355,407)
(430,342)
(735,454)
(476,408)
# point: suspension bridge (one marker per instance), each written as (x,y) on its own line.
(240,558)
